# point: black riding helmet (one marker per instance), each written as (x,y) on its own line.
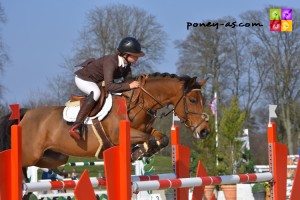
(131,46)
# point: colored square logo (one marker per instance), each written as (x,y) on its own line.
(286,14)
(281,19)
(275,14)
(286,25)
(275,25)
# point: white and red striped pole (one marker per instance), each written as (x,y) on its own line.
(198,181)
(96,182)
(59,185)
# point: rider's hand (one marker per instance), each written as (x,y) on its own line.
(134,84)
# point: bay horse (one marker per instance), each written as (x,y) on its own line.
(45,134)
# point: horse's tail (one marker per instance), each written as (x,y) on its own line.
(5,125)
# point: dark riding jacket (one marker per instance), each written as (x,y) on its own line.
(105,69)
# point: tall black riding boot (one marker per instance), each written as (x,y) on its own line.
(85,109)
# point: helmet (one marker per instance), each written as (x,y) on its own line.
(130,46)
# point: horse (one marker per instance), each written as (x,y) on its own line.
(45,134)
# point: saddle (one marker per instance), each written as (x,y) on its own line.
(98,106)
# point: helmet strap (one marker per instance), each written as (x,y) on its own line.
(126,58)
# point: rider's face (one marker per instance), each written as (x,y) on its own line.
(132,59)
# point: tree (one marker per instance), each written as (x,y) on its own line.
(259,66)
(248,68)
(282,82)
(230,152)
(233,63)
(203,53)
(231,59)
(104,28)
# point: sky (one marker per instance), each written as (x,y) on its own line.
(39,34)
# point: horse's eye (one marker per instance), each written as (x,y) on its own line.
(193,100)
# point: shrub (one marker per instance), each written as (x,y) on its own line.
(259,187)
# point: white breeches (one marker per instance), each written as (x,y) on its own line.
(87,87)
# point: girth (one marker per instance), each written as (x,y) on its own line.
(106,140)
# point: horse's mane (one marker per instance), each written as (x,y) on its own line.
(184,78)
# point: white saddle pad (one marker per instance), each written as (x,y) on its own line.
(70,112)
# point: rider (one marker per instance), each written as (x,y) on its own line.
(106,68)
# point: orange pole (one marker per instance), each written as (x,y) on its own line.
(125,166)
(117,166)
(277,163)
(295,194)
(16,162)
(180,161)
(5,174)
(271,132)
(175,137)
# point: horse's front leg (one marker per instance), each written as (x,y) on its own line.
(140,142)
(157,142)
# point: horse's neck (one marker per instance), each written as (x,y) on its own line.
(165,92)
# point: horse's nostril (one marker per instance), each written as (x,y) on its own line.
(204,133)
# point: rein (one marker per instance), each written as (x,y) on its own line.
(144,90)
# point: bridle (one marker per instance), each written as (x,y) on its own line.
(187,122)
(184,119)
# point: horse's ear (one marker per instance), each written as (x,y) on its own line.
(203,82)
(142,79)
(192,82)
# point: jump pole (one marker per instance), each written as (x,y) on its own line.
(96,182)
(296,184)
(200,181)
(277,164)
(16,161)
(11,168)
(180,162)
(117,166)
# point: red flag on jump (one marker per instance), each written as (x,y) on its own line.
(15,112)
(84,188)
(122,106)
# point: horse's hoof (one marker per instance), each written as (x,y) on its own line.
(137,154)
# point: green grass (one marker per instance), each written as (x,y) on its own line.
(161,164)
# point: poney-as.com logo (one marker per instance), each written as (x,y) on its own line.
(281,19)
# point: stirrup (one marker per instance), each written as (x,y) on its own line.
(73,133)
